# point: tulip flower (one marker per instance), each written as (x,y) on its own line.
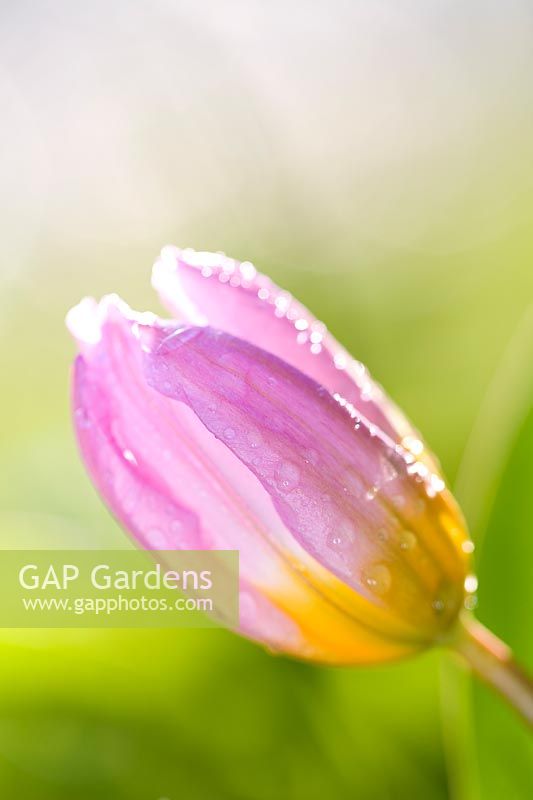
(240,423)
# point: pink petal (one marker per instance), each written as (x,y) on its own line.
(348,494)
(163,474)
(209,288)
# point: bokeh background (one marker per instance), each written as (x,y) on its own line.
(376,158)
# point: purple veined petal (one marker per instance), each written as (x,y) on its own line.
(210,288)
(359,504)
(174,485)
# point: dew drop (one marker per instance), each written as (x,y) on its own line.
(229,433)
(438,605)
(311,457)
(342,537)
(388,470)
(470,584)
(287,476)
(334,541)
(352,482)
(129,501)
(128,455)
(372,492)
(446,597)
(254,438)
(468,546)
(340,361)
(420,506)
(179,337)
(399,500)
(414,445)
(82,418)
(433,486)
(367,392)
(156,539)
(407,540)
(418,470)
(470,602)
(378,578)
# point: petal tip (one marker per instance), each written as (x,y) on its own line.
(167,283)
(86,320)
(83,323)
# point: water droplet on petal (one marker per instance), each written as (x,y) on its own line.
(254,438)
(388,470)
(156,539)
(420,506)
(129,501)
(248,271)
(229,433)
(340,360)
(434,485)
(470,602)
(342,537)
(334,541)
(414,445)
(311,457)
(82,418)
(352,482)
(438,605)
(372,492)
(128,455)
(287,476)
(407,540)
(378,578)
(445,598)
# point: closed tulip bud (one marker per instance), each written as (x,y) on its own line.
(242,424)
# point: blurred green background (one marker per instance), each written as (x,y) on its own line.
(376,159)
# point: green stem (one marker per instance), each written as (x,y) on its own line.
(492,661)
